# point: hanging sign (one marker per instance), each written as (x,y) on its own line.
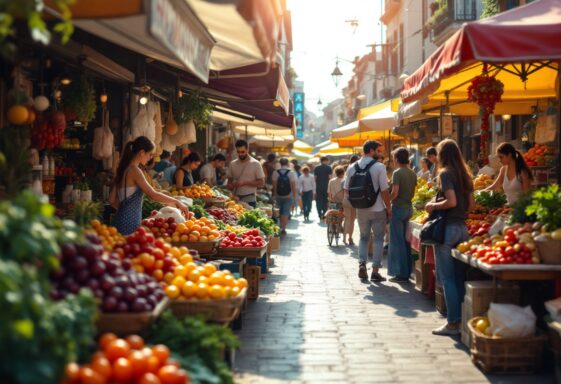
(299,114)
(545,129)
(447,125)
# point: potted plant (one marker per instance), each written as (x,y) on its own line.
(193,106)
(78,100)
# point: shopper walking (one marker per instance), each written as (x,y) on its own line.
(307,190)
(210,170)
(285,191)
(335,191)
(366,185)
(270,166)
(454,179)
(515,176)
(130,185)
(245,175)
(184,175)
(322,174)
(404,180)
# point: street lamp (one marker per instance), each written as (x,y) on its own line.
(336,74)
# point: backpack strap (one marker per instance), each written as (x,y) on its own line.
(368,166)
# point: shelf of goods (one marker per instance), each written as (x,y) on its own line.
(221,311)
(129,323)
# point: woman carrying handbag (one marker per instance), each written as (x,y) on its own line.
(455,181)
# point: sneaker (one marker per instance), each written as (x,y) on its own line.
(283,232)
(362,273)
(375,276)
(399,280)
(445,330)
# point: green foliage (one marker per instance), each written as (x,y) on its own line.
(546,205)
(490,200)
(15,166)
(31,234)
(79,97)
(441,8)
(84,212)
(32,11)
(257,219)
(199,211)
(490,8)
(148,206)
(193,106)
(39,336)
(197,346)
(518,209)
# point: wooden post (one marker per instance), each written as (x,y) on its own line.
(559,121)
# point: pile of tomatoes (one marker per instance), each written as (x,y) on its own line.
(250,239)
(127,361)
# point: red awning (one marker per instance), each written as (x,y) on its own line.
(531,33)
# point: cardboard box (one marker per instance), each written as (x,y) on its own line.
(479,294)
(275,243)
(422,275)
(252,274)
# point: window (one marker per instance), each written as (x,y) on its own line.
(509,4)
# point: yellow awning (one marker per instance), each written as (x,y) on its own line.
(335,149)
(358,139)
(301,146)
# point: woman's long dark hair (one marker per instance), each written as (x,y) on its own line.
(132,148)
(521,166)
(450,158)
(429,163)
(190,158)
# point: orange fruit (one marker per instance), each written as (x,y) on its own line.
(153,363)
(169,374)
(189,289)
(235,291)
(216,278)
(203,238)
(209,269)
(181,228)
(242,283)
(184,238)
(190,266)
(139,363)
(161,352)
(106,339)
(180,270)
(228,291)
(168,277)
(149,378)
(102,366)
(196,227)
(135,341)
(217,292)
(186,258)
(193,238)
(179,281)
(195,233)
(202,290)
(72,372)
(158,274)
(194,275)
(116,349)
(172,291)
(122,370)
(89,376)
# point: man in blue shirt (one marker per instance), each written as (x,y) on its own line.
(163,163)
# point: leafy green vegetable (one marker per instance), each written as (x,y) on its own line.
(196,345)
(148,206)
(518,209)
(200,202)
(257,219)
(199,211)
(39,336)
(490,200)
(546,205)
(84,212)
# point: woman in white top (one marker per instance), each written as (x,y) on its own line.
(307,190)
(335,191)
(515,176)
(426,165)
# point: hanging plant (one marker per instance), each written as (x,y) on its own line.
(490,8)
(486,91)
(79,99)
(193,106)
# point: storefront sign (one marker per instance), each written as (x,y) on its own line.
(545,129)
(299,114)
(447,125)
(176,26)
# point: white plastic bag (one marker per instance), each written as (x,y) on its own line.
(191,132)
(167,212)
(139,123)
(167,143)
(103,140)
(511,321)
(497,226)
(159,128)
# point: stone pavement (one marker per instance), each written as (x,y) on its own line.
(315,321)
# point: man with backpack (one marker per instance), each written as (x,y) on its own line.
(366,186)
(284,191)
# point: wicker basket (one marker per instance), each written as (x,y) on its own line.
(505,355)
(550,251)
(218,311)
(129,323)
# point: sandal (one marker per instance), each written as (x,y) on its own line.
(351,242)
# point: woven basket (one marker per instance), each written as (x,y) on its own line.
(550,251)
(218,311)
(129,323)
(505,355)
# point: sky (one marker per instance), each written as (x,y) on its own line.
(320,34)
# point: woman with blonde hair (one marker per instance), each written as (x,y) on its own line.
(455,182)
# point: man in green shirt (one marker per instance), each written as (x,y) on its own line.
(404,181)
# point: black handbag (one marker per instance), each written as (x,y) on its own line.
(434,228)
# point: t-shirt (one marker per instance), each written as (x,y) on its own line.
(335,189)
(249,170)
(449,181)
(379,180)
(407,180)
(161,165)
(168,173)
(208,173)
(323,174)
(291,176)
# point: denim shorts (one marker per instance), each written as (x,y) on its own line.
(284,204)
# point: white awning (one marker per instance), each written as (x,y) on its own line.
(345,130)
(382,120)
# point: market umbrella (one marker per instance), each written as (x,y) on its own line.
(271,141)
(520,46)
(334,149)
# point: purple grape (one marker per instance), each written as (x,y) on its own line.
(109,304)
(79,262)
(133,278)
(83,276)
(142,278)
(117,292)
(117,272)
(142,290)
(107,283)
(88,251)
(93,238)
(159,295)
(98,293)
(140,305)
(131,294)
(55,294)
(58,274)
(122,281)
(68,251)
(68,282)
(111,265)
(152,300)
(93,284)
(127,265)
(97,268)
(122,307)
(75,288)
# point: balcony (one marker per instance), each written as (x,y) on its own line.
(449,18)
(391,7)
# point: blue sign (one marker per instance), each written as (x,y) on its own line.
(299,113)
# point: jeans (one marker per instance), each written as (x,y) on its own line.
(400,261)
(321,202)
(370,221)
(284,204)
(307,198)
(451,272)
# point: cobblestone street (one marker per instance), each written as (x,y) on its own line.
(315,321)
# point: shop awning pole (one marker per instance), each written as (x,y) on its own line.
(559,122)
(246,138)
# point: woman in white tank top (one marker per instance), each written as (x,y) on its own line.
(515,176)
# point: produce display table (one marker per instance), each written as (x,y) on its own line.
(242,252)
(427,257)
(129,323)
(218,311)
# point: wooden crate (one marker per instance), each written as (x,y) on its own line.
(422,275)
(252,274)
(129,323)
(466,316)
(218,311)
(439,299)
(242,252)
(275,243)
(480,294)
(505,355)
(204,248)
